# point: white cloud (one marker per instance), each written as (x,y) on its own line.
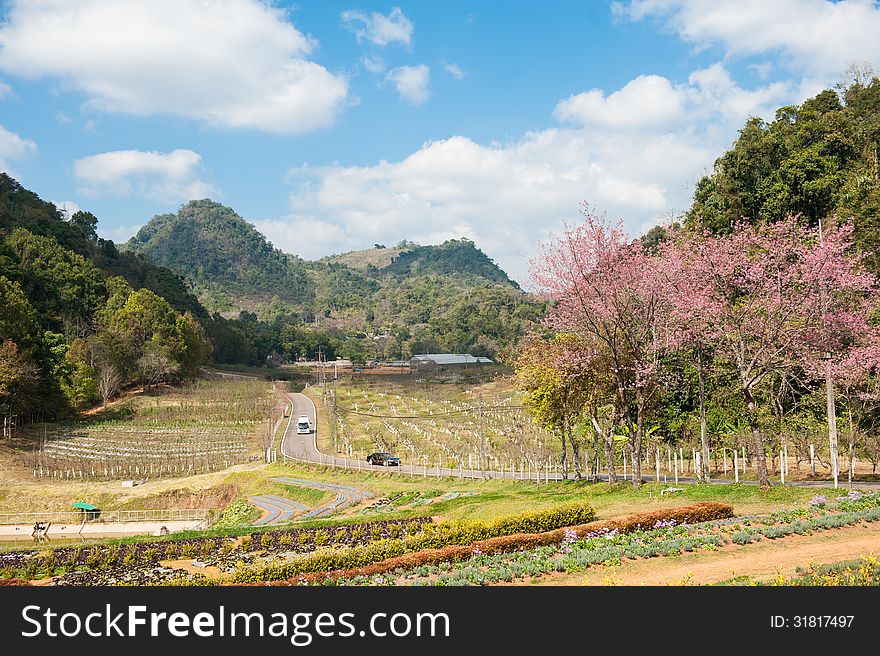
(454,70)
(508,197)
(5,89)
(411,83)
(69,207)
(377,28)
(812,35)
(164,177)
(119,234)
(373,64)
(646,101)
(228,63)
(61,117)
(652,102)
(13,147)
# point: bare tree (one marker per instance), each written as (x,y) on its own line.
(109,382)
(156,367)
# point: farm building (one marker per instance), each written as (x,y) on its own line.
(446,362)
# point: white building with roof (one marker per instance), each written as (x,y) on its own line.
(454,361)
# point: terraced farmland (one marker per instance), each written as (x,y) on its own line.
(204,427)
(439,424)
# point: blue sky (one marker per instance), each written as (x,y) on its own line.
(336,125)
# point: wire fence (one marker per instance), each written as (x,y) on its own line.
(108,516)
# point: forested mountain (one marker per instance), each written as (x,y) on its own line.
(229,263)
(818,159)
(455,257)
(382,303)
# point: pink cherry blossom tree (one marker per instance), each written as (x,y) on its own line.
(769,298)
(607,287)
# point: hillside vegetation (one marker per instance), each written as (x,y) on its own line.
(817,160)
(379,303)
(223,256)
(80,319)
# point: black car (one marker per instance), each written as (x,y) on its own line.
(382,458)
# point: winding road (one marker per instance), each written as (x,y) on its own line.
(305,448)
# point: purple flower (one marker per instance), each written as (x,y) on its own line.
(477,551)
(665,523)
(818,500)
(570,536)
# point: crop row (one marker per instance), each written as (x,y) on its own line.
(224,552)
(576,552)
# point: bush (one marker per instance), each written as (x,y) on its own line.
(235,514)
(432,537)
(387,555)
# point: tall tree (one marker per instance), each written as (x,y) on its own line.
(606,286)
(760,291)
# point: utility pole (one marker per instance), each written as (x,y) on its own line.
(335,416)
(829,394)
(322,380)
(482,438)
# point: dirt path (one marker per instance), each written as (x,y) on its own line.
(762,560)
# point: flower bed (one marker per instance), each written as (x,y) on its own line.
(433,537)
(462,551)
(578,550)
(223,552)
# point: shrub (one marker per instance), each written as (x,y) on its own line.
(432,537)
(387,555)
(235,514)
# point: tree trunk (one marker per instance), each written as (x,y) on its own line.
(594,461)
(563,459)
(575,455)
(832,422)
(704,434)
(757,439)
(607,440)
(639,436)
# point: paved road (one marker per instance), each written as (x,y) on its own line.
(345,495)
(277,509)
(304,447)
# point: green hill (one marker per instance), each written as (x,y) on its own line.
(818,159)
(229,263)
(405,299)
(81,319)
(456,257)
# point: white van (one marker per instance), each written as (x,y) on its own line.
(302,425)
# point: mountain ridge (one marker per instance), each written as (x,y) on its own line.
(233,267)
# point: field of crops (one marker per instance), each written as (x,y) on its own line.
(439,424)
(449,425)
(201,428)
